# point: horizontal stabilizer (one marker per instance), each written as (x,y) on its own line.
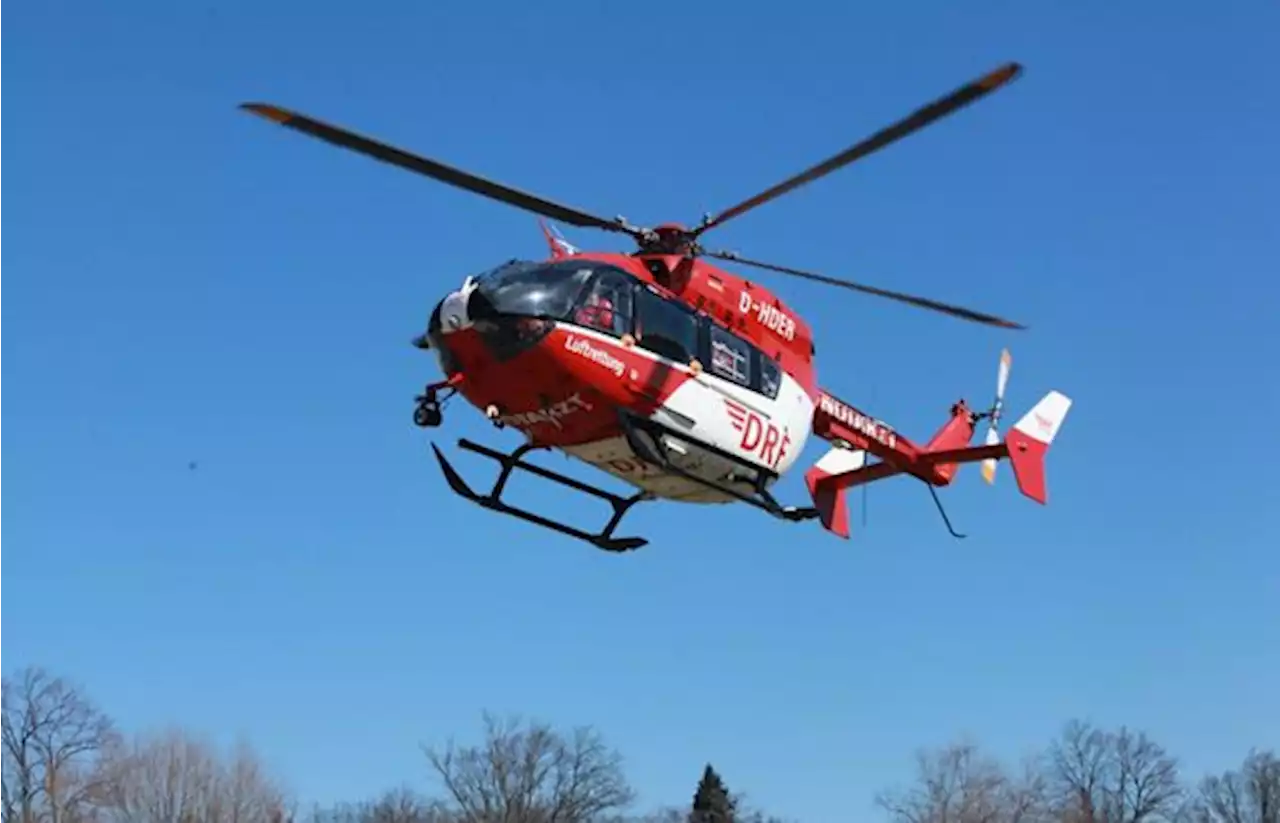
(829,498)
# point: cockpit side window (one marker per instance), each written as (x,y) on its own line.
(665,328)
(730,356)
(736,360)
(770,376)
(605,304)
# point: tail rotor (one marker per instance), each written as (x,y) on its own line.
(993,427)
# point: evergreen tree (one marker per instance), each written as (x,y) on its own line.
(712,802)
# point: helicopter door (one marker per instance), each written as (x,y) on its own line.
(668,329)
(673,331)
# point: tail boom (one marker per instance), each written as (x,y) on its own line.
(856,434)
(841,423)
(1025,446)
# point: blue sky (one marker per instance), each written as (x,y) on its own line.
(190,283)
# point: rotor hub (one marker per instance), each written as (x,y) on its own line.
(668,238)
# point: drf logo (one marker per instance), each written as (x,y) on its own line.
(760,438)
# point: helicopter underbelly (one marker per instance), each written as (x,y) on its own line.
(759,433)
(614,456)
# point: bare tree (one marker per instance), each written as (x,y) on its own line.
(396,806)
(1249,795)
(750,815)
(1099,776)
(673,814)
(959,785)
(173,777)
(52,736)
(530,773)
(668,814)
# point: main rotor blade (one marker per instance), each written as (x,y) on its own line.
(915,121)
(431,168)
(923,302)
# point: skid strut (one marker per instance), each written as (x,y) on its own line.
(604,539)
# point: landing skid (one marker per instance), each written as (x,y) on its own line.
(645,439)
(604,539)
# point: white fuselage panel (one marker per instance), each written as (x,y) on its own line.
(768,433)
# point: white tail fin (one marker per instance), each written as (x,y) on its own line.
(1043,421)
(1029,439)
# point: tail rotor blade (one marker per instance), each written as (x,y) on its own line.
(993,434)
(1002,377)
(989,465)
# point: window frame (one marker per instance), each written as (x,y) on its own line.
(630,287)
(749,361)
(702,351)
(697,351)
(758,374)
(756,359)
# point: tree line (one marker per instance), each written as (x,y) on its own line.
(65,761)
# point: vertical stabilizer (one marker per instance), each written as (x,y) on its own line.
(1029,440)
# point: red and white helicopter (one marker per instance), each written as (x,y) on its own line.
(689,383)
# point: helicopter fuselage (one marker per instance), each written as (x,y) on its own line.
(583,355)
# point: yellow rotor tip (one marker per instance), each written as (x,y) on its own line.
(1001,76)
(273,113)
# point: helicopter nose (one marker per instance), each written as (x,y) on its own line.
(433,324)
(431,336)
(453,312)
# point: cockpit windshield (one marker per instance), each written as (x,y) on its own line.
(548,290)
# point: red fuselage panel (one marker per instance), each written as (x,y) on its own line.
(565,389)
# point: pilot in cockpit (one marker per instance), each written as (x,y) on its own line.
(596,311)
(599,309)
